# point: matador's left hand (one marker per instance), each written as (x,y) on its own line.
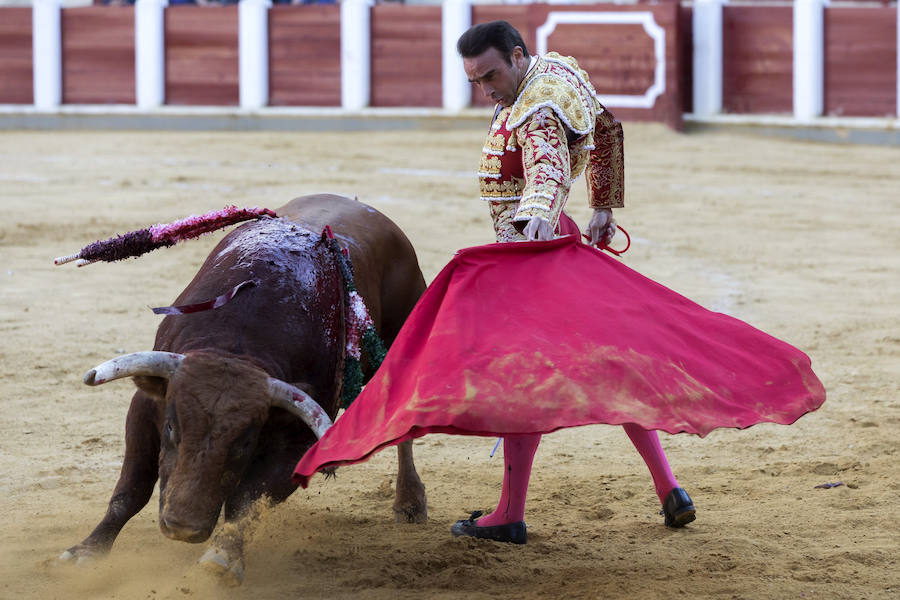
(602,227)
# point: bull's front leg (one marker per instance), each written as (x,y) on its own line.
(225,555)
(136,480)
(410,505)
(268,481)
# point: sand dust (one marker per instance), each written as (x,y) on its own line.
(800,239)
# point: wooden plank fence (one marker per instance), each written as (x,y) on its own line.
(619,46)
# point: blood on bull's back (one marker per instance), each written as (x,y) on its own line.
(287,318)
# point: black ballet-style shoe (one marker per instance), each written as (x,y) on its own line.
(513,533)
(678,508)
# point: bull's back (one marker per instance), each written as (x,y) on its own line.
(284,306)
(296,284)
(385,266)
(368,233)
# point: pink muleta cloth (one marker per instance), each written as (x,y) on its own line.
(524,338)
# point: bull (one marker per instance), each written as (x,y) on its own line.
(231,398)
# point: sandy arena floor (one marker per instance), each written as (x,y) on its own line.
(800,239)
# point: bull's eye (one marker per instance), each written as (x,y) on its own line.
(169,433)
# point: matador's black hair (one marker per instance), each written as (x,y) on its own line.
(496,34)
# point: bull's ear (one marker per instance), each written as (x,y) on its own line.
(153,386)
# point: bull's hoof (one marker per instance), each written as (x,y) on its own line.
(77,556)
(411,514)
(229,571)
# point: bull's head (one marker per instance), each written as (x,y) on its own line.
(215,408)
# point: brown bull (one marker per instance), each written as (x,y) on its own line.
(215,417)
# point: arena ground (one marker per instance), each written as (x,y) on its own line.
(798,238)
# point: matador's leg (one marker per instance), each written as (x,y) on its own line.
(677,506)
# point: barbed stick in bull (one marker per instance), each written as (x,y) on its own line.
(141,241)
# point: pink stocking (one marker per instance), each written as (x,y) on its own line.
(648,446)
(518,454)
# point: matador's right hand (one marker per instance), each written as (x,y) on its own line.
(538,229)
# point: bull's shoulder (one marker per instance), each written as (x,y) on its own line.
(370,235)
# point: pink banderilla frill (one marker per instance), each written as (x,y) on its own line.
(141,241)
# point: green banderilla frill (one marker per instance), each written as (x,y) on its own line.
(371,342)
(353,375)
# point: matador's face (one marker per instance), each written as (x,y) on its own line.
(498,79)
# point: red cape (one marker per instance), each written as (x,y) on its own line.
(517,338)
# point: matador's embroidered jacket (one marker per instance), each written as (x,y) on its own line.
(536,148)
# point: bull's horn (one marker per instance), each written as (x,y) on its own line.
(151,363)
(299,403)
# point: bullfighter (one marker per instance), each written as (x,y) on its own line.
(548,128)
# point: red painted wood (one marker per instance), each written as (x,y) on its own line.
(406,55)
(619,58)
(305,55)
(16,69)
(98,55)
(757,59)
(202,55)
(861,61)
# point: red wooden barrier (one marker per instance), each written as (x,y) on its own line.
(98,55)
(16,78)
(619,58)
(757,59)
(305,55)
(861,61)
(406,55)
(202,55)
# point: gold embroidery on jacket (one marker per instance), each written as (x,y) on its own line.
(606,168)
(495,144)
(545,156)
(510,189)
(490,166)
